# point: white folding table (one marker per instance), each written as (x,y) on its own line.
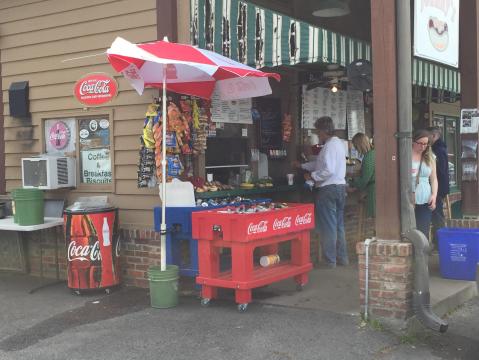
(7,224)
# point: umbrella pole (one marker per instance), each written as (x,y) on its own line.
(163,177)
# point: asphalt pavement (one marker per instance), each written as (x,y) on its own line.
(55,324)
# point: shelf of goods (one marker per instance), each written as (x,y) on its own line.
(245,192)
(242,233)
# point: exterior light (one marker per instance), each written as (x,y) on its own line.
(330,8)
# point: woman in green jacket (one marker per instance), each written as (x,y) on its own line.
(366,182)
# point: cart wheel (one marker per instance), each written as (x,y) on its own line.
(205,302)
(242,308)
(300,287)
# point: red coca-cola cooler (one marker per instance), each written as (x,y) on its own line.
(93,249)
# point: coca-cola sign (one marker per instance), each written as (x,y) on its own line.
(95,89)
(84,252)
(303,219)
(258,228)
(59,135)
(284,223)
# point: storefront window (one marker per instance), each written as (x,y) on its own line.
(94,151)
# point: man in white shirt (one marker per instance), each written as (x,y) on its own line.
(328,173)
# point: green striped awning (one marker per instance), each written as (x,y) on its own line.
(427,74)
(261,37)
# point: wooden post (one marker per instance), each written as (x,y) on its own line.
(383,36)
(2,141)
(469,63)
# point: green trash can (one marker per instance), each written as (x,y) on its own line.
(28,206)
(163,286)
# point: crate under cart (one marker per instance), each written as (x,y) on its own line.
(242,233)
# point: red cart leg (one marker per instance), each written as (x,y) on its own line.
(242,270)
(208,266)
(300,255)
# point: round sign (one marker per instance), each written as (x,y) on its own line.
(59,135)
(95,89)
(104,123)
(93,125)
(84,133)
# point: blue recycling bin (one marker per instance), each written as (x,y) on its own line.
(458,253)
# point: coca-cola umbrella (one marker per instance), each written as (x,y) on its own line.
(184,69)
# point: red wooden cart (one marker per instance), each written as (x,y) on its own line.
(243,232)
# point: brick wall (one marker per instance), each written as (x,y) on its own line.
(140,248)
(390,279)
(463,223)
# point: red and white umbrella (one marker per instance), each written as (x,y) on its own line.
(189,70)
(184,69)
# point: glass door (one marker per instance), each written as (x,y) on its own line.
(449,129)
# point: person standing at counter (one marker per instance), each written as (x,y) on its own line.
(424,180)
(328,173)
(366,182)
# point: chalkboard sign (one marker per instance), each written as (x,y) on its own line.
(268,112)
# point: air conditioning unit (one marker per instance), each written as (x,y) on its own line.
(48,172)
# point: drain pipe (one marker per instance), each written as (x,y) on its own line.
(366,294)
(421,295)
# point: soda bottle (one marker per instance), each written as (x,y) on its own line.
(108,270)
(95,255)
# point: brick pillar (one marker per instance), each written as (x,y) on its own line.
(390,279)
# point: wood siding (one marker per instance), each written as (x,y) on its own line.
(36,37)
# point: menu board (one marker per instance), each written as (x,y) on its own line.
(323,102)
(355,113)
(233,111)
(268,111)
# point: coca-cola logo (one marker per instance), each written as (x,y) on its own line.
(303,219)
(84,252)
(95,89)
(258,228)
(283,223)
(59,135)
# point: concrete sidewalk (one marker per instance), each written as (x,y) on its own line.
(320,322)
(337,290)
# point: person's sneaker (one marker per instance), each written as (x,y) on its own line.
(342,263)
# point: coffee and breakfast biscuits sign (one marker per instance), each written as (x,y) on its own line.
(95,89)
(436,30)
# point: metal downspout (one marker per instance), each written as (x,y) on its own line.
(421,295)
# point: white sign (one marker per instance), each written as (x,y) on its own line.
(234,111)
(355,113)
(96,166)
(469,121)
(436,30)
(320,102)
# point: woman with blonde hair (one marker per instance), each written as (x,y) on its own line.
(424,180)
(366,182)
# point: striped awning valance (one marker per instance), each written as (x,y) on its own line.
(261,37)
(431,75)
